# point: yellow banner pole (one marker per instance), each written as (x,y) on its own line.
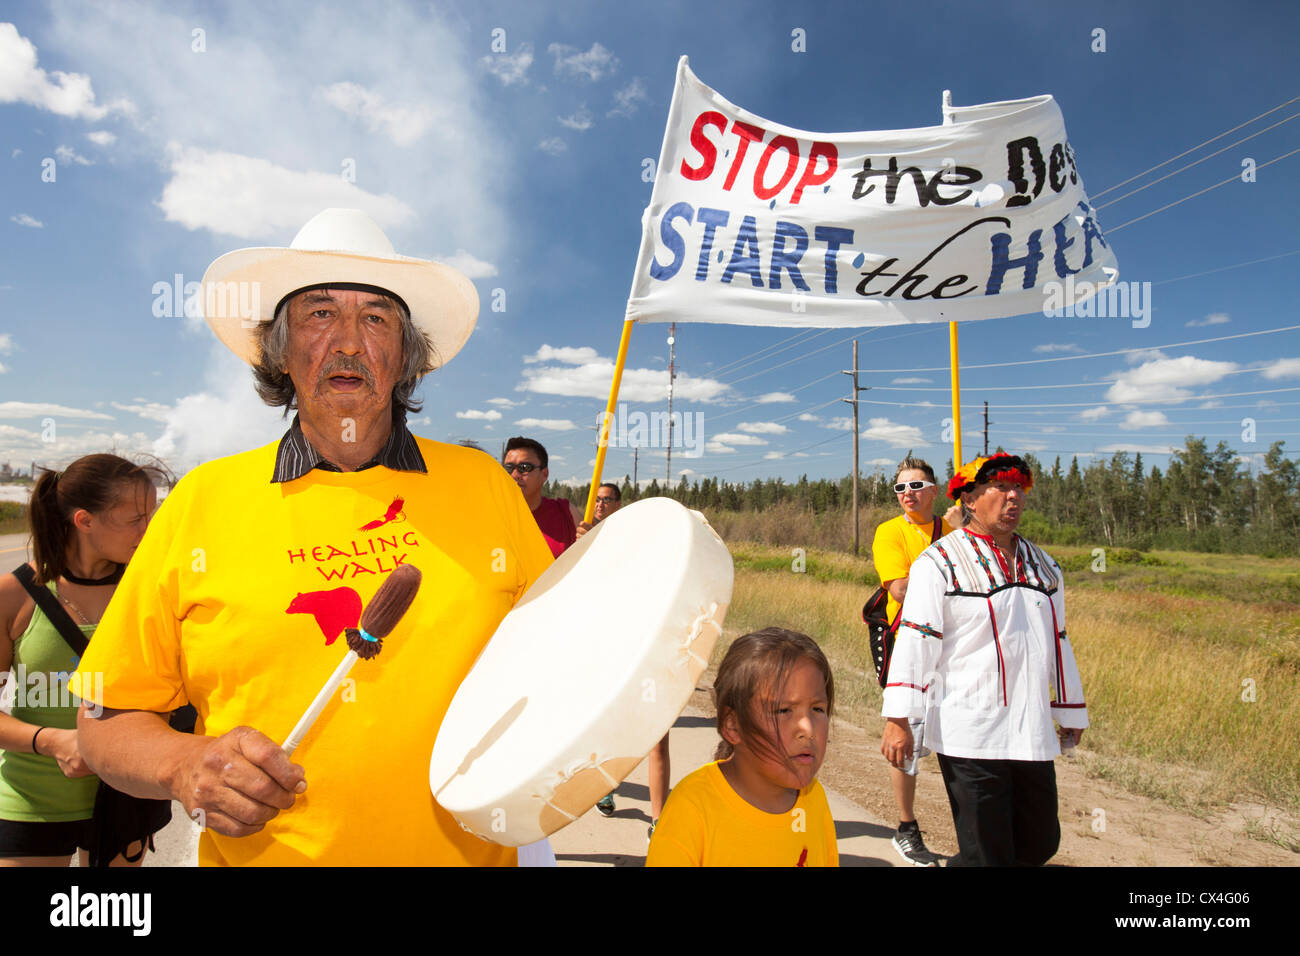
(952,341)
(607,420)
(956,396)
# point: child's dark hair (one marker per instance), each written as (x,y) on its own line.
(759,664)
(93,483)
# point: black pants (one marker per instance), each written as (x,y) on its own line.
(1004,810)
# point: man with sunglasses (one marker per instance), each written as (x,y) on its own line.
(898,542)
(526,460)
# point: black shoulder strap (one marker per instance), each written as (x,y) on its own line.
(52,609)
(934,532)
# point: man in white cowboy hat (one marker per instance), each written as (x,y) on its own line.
(983,657)
(256,563)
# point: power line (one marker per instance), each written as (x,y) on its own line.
(1074,358)
(1195,275)
(736,364)
(1144,401)
(1016,388)
(1195,148)
(1133,192)
(1200,192)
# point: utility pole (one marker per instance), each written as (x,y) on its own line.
(636,453)
(672,376)
(986,429)
(854,402)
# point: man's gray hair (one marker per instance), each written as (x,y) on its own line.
(276,388)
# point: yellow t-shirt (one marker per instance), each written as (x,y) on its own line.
(706,823)
(203,615)
(897,544)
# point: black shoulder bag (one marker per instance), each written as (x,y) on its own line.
(880,629)
(120,820)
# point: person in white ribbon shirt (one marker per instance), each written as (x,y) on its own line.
(983,656)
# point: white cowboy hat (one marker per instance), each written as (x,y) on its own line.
(244,287)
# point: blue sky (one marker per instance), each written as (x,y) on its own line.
(523,165)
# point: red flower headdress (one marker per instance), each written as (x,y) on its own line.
(998,467)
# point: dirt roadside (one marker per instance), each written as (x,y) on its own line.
(1101,825)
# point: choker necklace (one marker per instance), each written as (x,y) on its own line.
(95,582)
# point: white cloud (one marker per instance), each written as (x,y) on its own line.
(592,65)
(762,428)
(43,409)
(1132,447)
(510,68)
(553,146)
(882,462)
(840,424)
(580,120)
(1057,347)
(1144,355)
(1282,368)
(66,154)
(261,102)
(102,137)
(503,402)
(1214,318)
(473,414)
(1137,420)
(20,445)
(809,417)
(894,434)
(6,343)
(154,411)
(773,455)
(588,376)
(912,380)
(1166,379)
(772,398)
(252,198)
(25,220)
(568,354)
(547,424)
(66,94)
(1210,404)
(717,448)
(1053,429)
(732,438)
(472,266)
(627,99)
(224,418)
(403,125)
(1094,414)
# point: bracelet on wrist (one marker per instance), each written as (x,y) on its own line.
(34,736)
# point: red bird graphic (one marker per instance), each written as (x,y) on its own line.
(392,514)
(334,610)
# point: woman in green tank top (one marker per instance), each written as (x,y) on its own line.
(86,523)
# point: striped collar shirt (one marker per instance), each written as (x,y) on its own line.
(295,455)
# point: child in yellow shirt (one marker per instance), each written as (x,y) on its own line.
(759,803)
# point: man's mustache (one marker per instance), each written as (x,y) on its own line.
(352,366)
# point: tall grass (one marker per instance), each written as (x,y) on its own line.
(1190,662)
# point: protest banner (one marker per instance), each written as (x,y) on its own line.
(755,223)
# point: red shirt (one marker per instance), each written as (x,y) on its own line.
(556,521)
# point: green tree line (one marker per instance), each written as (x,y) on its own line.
(1206,500)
